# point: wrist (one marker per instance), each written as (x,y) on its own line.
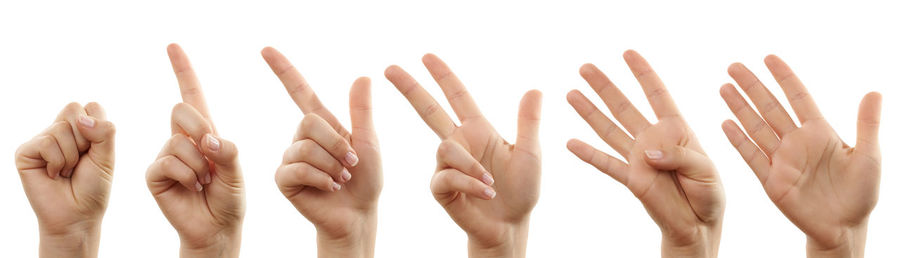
(511,243)
(79,240)
(357,240)
(226,243)
(703,242)
(850,243)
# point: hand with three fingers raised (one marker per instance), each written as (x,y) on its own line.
(824,186)
(666,168)
(67,171)
(331,175)
(196,179)
(486,185)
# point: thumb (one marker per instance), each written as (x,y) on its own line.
(529,122)
(684,161)
(222,153)
(867,124)
(102,136)
(361,110)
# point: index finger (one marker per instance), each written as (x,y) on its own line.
(429,110)
(656,92)
(456,93)
(298,88)
(191,92)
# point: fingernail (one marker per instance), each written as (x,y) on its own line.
(207,179)
(67,173)
(335,186)
(345,175)
(489,193)
(653,154)
(198,186)
(487,179)
(86,121)
(351,158)
(212,142)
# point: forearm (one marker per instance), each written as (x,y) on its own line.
(78,243)
(225,244)
(359,241)
(512,244)
(851,244)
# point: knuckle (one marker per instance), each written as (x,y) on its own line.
(72,107)
(168,163)
(309,121)
(472,184)
(306,148)
(445,148)
(110,128)
(60,127)
(47,142)
(339,145)
(179,107)
(437,179)
(281,175)
(178,140)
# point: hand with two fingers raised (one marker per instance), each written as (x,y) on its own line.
(196,179)
(331,175)
(486,185)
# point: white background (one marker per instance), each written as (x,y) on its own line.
(114,53)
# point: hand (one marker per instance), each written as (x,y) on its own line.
(316,172)
(666,168)
(196,179)
(67,171)
(822,185)
(473,157)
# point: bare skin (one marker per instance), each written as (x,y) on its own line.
(332,176)
(196,179)
(67,172)
(665,167)
(486,185)
(825,187)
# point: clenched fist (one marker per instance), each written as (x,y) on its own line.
(67,171)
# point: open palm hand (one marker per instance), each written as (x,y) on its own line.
(821,184)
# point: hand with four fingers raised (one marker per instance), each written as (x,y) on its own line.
(666,168)
(487,185)
(825,187)
(67,171)
(332,175)
(196,179)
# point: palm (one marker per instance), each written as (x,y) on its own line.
(820,183)
(680,189)
(61,201)
(515,169)
(516,173)
(671,198)
(334,212)
(67,201)
(212,209)
(814,167)
(199,215)
(337,211)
